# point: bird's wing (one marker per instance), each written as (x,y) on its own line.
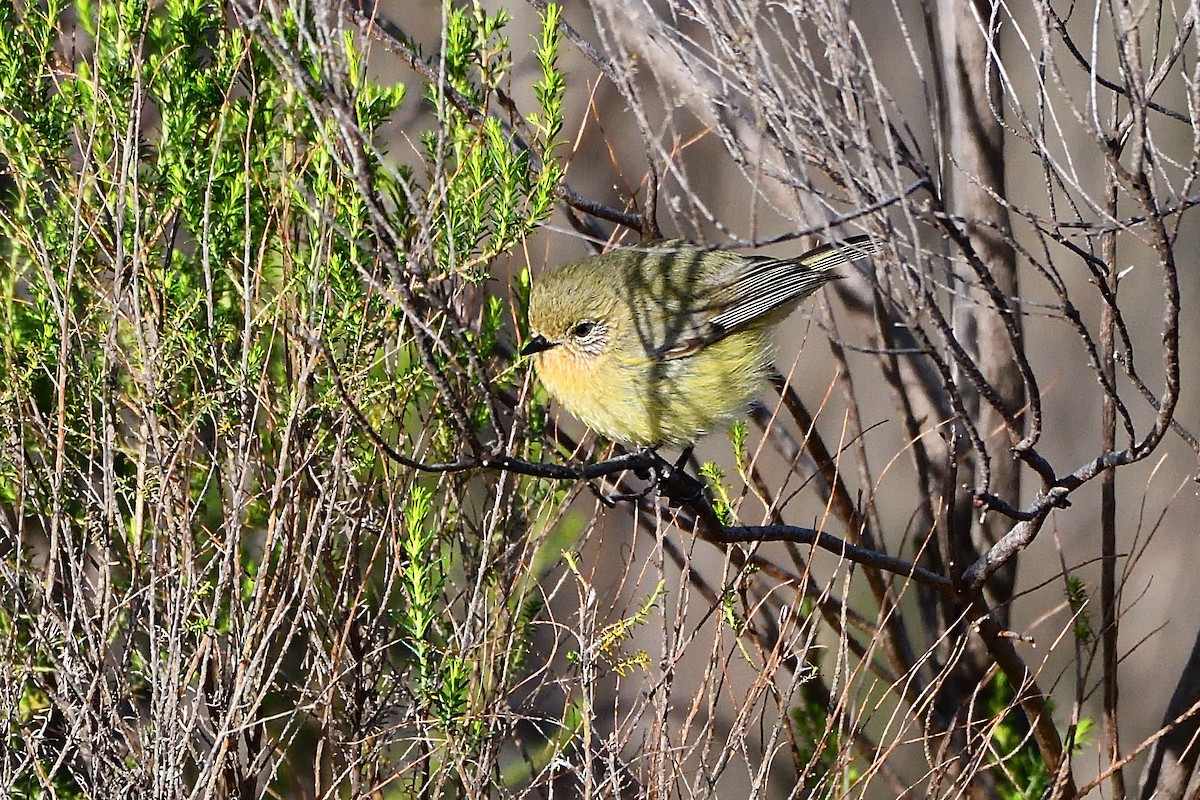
(754,286)
(770,283)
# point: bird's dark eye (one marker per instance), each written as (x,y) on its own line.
(583,329)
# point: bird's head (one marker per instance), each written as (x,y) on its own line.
(571,318)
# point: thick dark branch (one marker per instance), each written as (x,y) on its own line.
(832,544)
(684,490)
(1173,758)
(1016,540)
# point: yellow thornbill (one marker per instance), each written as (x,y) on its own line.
(661,343)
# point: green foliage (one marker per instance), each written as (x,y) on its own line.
(722,502)
(739,432)
(1022,773)
(614,634)
(498,186)
(1077,598)
(820,745)
(605,647)
(179,222)
(552,86)
(444,678)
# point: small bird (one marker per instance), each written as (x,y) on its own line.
(662,343)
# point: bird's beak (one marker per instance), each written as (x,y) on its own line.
(536,345)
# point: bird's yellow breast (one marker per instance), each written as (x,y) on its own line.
(643,401)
